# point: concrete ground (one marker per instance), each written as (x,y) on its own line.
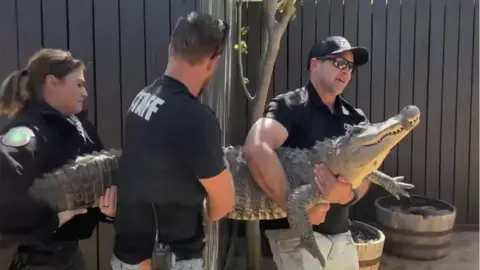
(463,256)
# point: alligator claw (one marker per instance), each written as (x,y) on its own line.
(403,185)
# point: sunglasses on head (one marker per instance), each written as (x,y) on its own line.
(339,62)
(224,27)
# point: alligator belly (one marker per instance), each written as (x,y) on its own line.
(251,203)
(79,183)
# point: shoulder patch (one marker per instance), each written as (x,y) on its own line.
(18,136)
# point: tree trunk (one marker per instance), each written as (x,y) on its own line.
(270,47)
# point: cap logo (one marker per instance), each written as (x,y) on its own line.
(344,43)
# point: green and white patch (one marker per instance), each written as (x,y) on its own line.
(18,136)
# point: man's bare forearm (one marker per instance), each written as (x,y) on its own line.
(267,172)
(362,189)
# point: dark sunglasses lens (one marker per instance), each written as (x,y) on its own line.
(342,63)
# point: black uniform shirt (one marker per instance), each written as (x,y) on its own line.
(172,141)
(53,141)
(307,119)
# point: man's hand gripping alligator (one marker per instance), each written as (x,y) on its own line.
(356,156)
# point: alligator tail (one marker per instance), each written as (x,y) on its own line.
(78,184)
(297,204)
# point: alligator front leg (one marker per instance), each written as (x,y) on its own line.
(298,202)
(393,185)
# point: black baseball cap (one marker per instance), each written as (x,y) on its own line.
(334,45)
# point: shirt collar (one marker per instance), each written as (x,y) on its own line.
(340,107)
(318,103)
(170,81)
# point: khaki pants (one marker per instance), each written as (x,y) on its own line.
(339,251)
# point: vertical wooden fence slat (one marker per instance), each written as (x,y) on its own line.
(109,96)
(392,71)
(448,102)
(107,69)
(8,38)
(55,24)
(422,22)
(336,18)
(132,49)
(434,98)
(365,40)
(157,37)
(29,20)
(80,40)
(350,23)
(377,98)
(407,28)
(464,88)
(473,179)
(294,67)
(8,42)
(323,19)
(308,36)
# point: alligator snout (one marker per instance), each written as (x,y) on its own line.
(411,116)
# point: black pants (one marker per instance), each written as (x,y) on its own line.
(57,256)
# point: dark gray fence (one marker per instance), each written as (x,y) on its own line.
(423,53)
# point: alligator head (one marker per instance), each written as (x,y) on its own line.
(365,146)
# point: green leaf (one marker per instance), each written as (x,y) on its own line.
(244,30)
(245,80)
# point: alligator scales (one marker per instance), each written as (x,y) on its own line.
(357,155)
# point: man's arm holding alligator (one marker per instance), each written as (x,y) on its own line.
(265,136)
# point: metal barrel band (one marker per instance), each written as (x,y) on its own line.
(398,244)
(368,263)
(415,233)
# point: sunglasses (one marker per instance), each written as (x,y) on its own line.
(224,27)
(339,62)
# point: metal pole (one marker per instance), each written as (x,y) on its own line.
(218,97)
(254,255)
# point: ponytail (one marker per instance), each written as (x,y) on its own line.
(14,93)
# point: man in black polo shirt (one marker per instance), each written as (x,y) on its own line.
(172,157)
(297,119)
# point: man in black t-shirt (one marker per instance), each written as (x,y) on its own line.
(172,156)
(297,119)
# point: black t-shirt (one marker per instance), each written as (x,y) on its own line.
(172,141)
(308,119)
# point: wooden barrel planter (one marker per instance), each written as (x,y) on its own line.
(369,242)
(418,228)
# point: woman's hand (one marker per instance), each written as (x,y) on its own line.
(108,202)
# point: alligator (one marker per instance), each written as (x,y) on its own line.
(356,155)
